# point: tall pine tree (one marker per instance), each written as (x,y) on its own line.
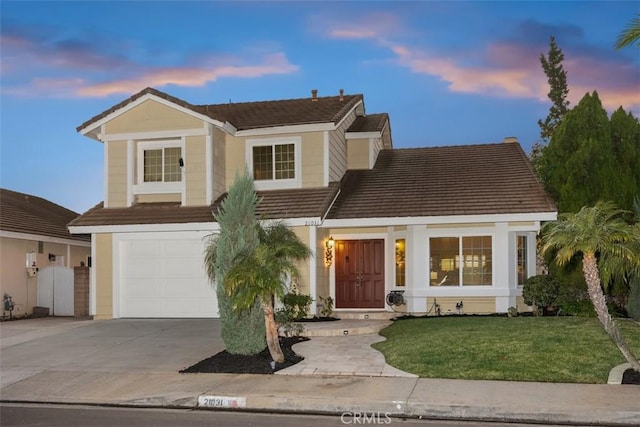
(242,332)
(558,90)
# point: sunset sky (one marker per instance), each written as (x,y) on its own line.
(447,73)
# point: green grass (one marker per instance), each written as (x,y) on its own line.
(548,349)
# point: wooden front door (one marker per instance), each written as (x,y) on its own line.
(359,273)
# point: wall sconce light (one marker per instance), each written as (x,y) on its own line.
(181,162)
(328,253)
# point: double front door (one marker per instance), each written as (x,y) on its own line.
(359,273)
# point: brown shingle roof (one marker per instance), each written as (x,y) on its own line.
(296,203)
(369,123)
(437,181)
(24,213)
(252,115)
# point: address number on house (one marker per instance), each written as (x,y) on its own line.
(222,402)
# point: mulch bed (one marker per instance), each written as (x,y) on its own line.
(317,319)
(631,376)
(227,363)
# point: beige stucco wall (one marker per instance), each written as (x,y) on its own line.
(153,198)
(322,270)
(219,166)
(13,274)
(234,153)
(303,266)
(370,230)
(521,306)
(387,142)
(312,159)
(358,153)
(151,116)
(338,148)
(312,149)
(195,170)
(472,305)
(104,276)
(116,152)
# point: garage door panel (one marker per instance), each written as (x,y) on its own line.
(165,277)
(144,248)
(142,268)
(181,267)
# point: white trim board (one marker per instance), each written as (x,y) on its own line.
(47,239)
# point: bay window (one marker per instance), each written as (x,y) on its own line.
(461,261)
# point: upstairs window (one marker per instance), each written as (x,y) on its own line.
(275,163)
(162,165)
(158,167)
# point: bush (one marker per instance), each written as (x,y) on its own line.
(296,305)
(541,291)
(327,306)
(633,303)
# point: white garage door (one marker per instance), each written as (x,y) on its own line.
(164,277)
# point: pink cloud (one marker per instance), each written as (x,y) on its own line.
(33,66)
(189,76)
(369,26)
(505,68)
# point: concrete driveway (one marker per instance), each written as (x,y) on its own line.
(29,347)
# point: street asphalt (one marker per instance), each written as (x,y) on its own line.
(128,362)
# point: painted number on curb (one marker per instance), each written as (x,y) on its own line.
(222,402)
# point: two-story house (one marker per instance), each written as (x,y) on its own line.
(445,224)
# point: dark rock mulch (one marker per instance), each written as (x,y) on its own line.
(317,319)
(227,363)
(631,376)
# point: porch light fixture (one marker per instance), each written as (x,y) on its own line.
(328,253)
(181,162)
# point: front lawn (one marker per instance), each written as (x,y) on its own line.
(549,349)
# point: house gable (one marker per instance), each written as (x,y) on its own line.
(151,116)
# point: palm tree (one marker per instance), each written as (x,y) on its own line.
(593,232)
(631,34)
(260,274)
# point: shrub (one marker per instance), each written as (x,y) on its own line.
(327,306)
(574,301)
(541,291)
(633,303)
(286,324)
(297,305)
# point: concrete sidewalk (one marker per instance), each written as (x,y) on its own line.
(93,374)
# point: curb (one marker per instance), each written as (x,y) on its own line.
(615,376)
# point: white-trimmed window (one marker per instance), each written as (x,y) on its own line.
(461,261)
(274,162)
(159,169)
(522,262)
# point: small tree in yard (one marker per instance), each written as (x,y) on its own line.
(242,331)
(593,232)
(260,274)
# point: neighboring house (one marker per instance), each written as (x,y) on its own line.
(445,224)
(34,236)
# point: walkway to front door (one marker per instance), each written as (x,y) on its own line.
(359,273)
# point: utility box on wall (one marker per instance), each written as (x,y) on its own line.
(32,264)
